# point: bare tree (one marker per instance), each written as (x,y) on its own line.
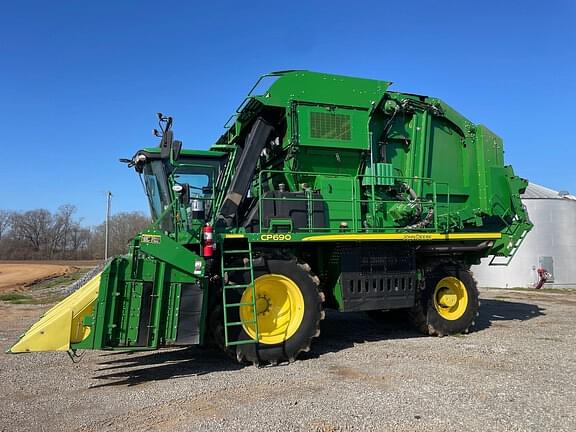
(123,226)
(40,234)
(60,229)
(4,222)
(43,235)
(32,228)
(78,238)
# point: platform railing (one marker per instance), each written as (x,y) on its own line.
(431,191)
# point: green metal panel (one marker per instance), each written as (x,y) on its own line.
(321,88)
(133,314)
(383,175)
(344,207)
(446,154)
(157,244)
(313,160)
(171,315)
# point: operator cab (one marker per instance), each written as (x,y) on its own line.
(182,193)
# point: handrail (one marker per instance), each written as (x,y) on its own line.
(357,201)
(249,95)
(232,117)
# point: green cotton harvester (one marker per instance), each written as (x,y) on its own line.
(324,192)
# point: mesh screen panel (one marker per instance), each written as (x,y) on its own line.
(330,126)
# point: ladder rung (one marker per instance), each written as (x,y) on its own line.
(237,286)
(238,251)
(224,146)
(239,304)
(236,268)
(237,323)
(241,342)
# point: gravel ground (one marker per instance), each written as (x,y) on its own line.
(516,372)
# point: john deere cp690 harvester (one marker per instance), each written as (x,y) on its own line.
(324,192)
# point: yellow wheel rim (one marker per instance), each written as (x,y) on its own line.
(450,298)
(279,307)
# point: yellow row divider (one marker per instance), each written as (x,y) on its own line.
(62,324)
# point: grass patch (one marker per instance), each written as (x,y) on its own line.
(43,300)
(61,280)
(16,298)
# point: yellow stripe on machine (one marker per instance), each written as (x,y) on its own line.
(405,237)
(62,324)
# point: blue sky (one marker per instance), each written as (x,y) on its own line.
(80,82)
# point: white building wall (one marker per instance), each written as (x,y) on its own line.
(553,235)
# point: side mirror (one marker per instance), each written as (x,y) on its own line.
(176,149)
(166,144)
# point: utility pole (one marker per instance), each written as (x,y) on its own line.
(108,203)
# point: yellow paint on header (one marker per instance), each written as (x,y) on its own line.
(62,324)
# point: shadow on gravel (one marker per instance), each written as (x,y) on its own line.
(339,331)
(499,310)
(136,368)
(344,330)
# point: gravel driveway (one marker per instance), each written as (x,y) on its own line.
(516,372)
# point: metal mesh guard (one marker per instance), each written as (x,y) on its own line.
(330,126)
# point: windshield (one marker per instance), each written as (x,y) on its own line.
(156,185)
(186,187)
(200,178)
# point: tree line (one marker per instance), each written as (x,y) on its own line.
(43,235)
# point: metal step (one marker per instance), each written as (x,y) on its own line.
(237,268)
(241,342)
(238,323)
(238,304)
(237,286)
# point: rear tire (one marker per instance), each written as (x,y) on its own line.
(448,304)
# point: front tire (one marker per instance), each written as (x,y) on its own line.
(448,304)
(289,311)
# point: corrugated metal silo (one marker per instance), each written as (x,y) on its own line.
(550,245)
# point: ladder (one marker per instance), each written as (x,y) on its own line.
(234,256)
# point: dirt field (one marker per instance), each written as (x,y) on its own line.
(515,372)
(17,276)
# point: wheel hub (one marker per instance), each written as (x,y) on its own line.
(263,305)
(447,299)
(450,298)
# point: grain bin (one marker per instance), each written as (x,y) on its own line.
(550,245)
